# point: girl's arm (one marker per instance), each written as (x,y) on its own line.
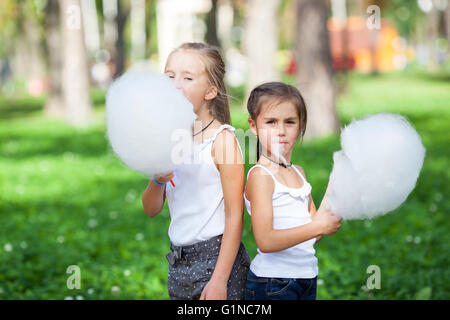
(260,188)
(311,206)
(312,211)
(154,196)
(230,165)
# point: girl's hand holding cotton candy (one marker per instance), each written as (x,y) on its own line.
(377,168)
(148,121)
(329,223)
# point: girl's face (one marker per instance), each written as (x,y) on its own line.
(277,123)
(188,71)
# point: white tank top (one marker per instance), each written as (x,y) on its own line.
(196,204)
(290,209)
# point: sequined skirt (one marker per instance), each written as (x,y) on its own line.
(191,267)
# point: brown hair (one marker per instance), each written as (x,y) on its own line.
(276,92)
(215,70)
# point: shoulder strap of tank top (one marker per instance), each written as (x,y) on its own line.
(299,173)
(260,166)
(220,129)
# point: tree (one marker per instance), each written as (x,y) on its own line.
(261,42)
(26,44)
(138,36)
(120,54)
(447,26)
(9,14)
(314,72)
(432,33)
(54,105)
(90,26)
(75,76)
(109,10)
(211,36)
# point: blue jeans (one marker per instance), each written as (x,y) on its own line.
(261,288)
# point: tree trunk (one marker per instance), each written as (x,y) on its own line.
(28,61)
(211,25)
(90,26)
(174,21)
(224,17)
(75,80)
(447,25)
(315,73)
(137,19)
(109,26)
(432,33)
(121,19)
(54,105)
(261,42)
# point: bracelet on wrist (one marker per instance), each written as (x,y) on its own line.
(158,183)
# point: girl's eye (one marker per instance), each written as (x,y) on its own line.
(187,78)
(271,121)
(170,76)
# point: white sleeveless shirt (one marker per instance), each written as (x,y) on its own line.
(196,204)
(290,209)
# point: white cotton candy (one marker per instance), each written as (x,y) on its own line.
(377,168)
(147,119)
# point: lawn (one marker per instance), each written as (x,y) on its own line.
(65,199)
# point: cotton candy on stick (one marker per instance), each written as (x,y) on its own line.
(144,112)
(377,168)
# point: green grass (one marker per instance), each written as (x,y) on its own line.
(65,199)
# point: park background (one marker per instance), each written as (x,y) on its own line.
(66,199)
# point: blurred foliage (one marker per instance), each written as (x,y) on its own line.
(65,199)
(8,14)
(13,15)
(406,15)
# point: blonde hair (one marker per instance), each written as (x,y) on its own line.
(215,70)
